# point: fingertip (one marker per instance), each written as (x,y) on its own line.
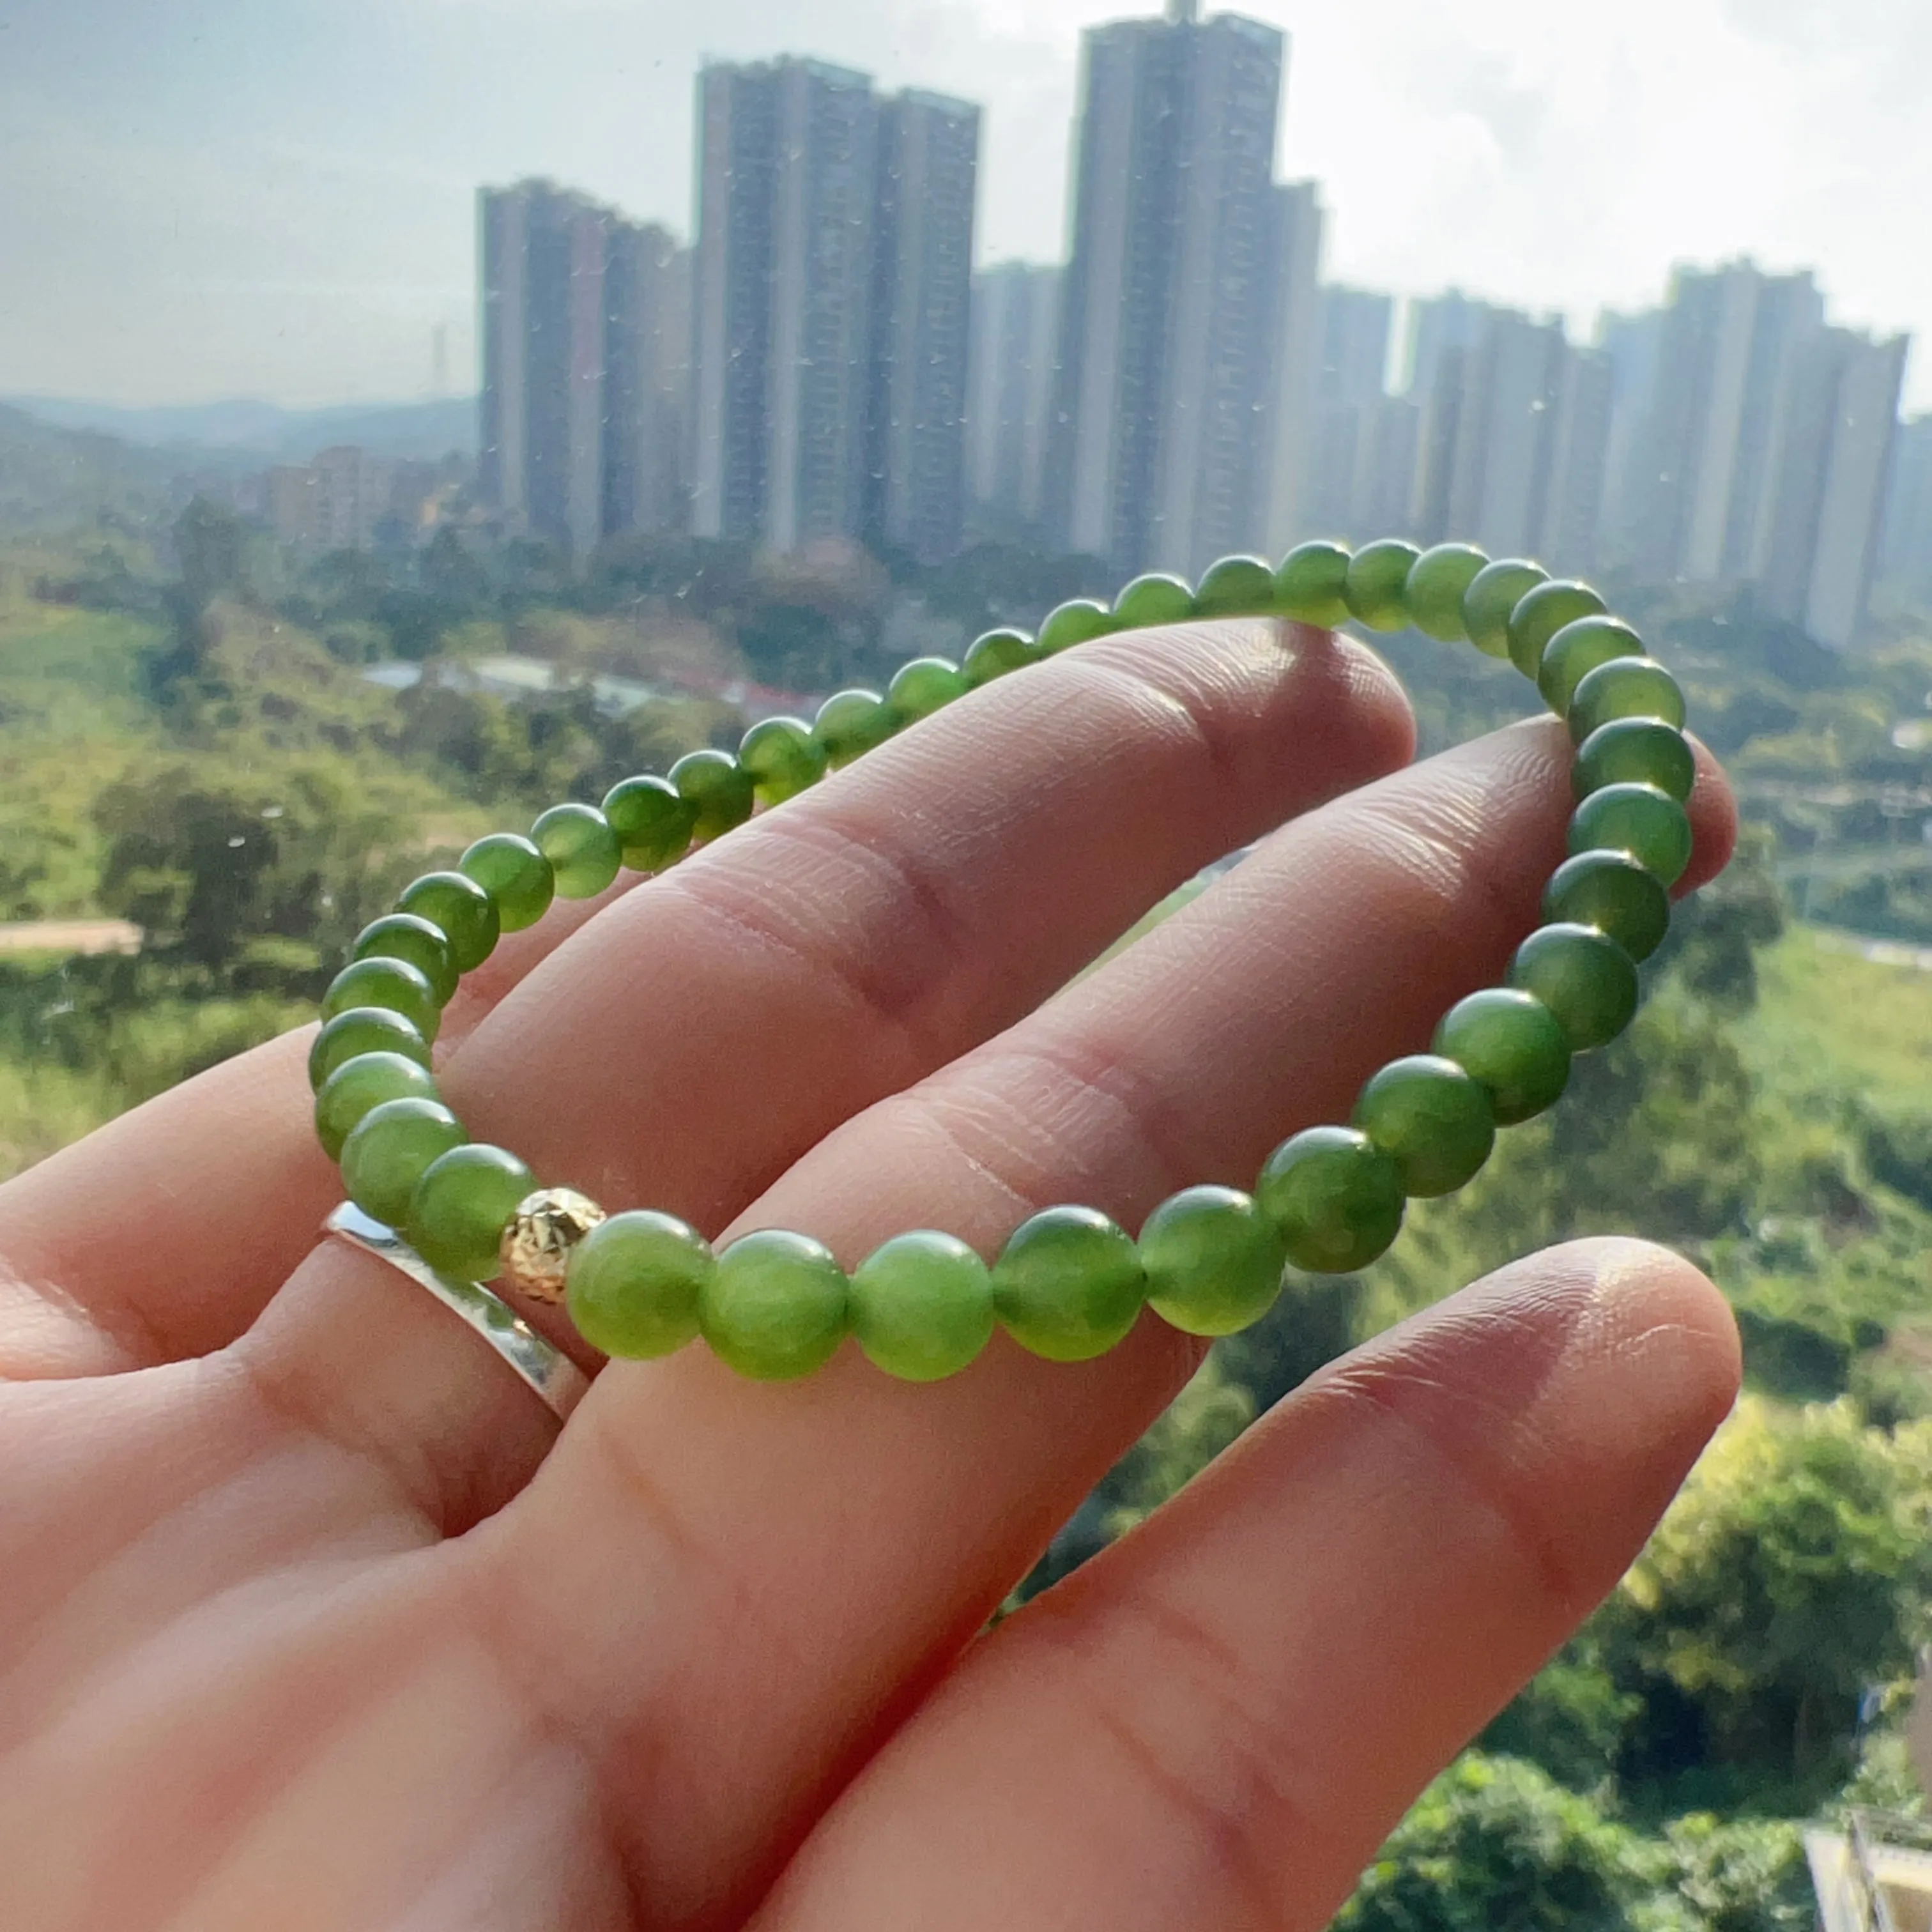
(1713,808)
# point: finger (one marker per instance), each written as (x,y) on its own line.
(1216,1722)
(750,1535)
(740,1006)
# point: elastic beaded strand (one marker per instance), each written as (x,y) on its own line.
(1069,1284)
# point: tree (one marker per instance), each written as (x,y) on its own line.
(1790,1575)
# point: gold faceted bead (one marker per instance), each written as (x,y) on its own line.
(536,1245)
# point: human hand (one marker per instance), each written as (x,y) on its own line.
(311,1621)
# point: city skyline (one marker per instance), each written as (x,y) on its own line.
(203,209)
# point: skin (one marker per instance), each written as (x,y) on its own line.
(312,1619)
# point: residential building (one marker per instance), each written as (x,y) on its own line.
(545,251)
(1345,449)
(337,502)
(1015,318)
(1167,339)
(1906,559)
(647,327)
(928,171)
(1290,394)
(1828,511)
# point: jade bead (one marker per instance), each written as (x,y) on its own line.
(393,984)
(466,913)
(417,942)
(851,723)
(1493,593)
(1586,979)
(1079,621)
(1439,580)
(1431,1119)
(1510,1041)
(1376,587)
(1069,1285)
(460,1207)
(997,653)
(1155,598)
(653,823)
(363,1030)
(783,758)
(1540,614)
(359,1085)
(922,1307)
(924,685)
(1628,688)
(515,874)
(1335,1198)
(1612,892)
(775,1307)
(717,788)
(1635,750)
(1309,586)
(1578,650)
(1213,1261)
(1648,824)
(390,1148)
(1237,586)
(583,850)
(635,1283)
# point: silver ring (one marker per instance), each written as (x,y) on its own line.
(544,1368)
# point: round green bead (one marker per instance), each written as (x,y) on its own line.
(1648,824)
(1068,1284)
(924,685)
(464,1201)
(464,912)
(1439,580)
(1612,892)
(922,1307)
(775,1307)
(1155,599)
(393,984)
(783,758)
(1376,589)
(1335,1198)
(1635,750)
(635,1284)
(997,653)
(415,941)
(1079,621)
(1213,1261)
(1510,1041)
(1578,650)
(1431,1119)
(1586,979)
(390,1148)
(363,1030)
(1237,586)
(1628,688)
(515,874)
(717,788)
(359,1085)
(583,850)
(653,823)
(1493,593)
(1308,585)
(1541,613)
(851,723)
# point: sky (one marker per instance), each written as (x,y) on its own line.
(210,198)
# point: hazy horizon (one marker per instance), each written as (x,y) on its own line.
(221,205)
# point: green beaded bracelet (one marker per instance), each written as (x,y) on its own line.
(1069,1284)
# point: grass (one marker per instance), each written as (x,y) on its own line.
(1828,1019)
